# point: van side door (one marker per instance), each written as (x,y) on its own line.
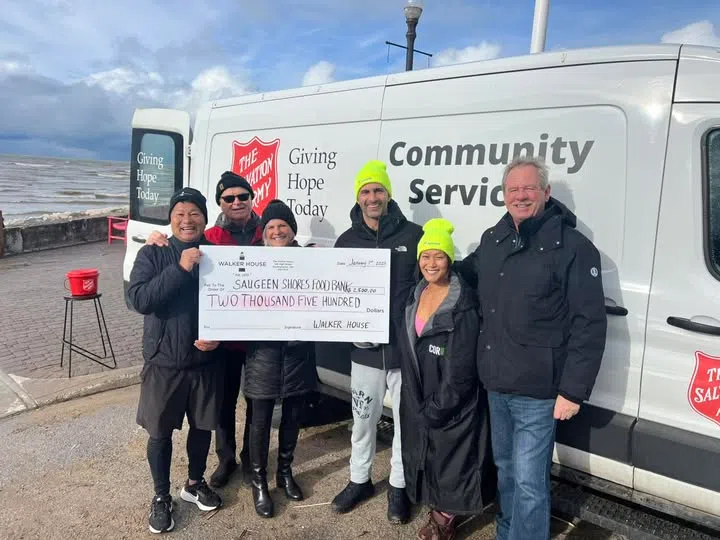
(676,442)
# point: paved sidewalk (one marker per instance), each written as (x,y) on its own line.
(32,311)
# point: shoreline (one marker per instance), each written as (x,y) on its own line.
(59,217)
(52,231)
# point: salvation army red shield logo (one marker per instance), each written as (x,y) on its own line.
(256,161)
(704,389)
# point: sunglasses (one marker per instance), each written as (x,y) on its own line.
(231,198)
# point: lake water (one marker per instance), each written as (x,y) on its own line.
(41,187)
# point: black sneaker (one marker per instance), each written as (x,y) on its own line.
(161,519)
(351,496)
(201,494)
(398,505)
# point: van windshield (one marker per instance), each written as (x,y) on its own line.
(155,174)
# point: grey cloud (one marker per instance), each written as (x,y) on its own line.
(129,52)
(65,38)
(95,113)
(42,114)
(39,105)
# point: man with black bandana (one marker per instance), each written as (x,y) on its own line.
(182,375)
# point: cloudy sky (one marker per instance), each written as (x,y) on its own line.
(72,71)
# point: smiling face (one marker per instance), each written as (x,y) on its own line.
(373,200)
(236,209)
(434,265)
(187,222)
(278,233)
(524,196)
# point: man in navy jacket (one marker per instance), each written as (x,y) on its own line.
(543,335)
(182,375)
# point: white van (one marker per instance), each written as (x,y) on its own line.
(632,139)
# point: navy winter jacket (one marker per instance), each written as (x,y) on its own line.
(167,295)
(542,304)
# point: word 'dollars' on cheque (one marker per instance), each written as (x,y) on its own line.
(281,294)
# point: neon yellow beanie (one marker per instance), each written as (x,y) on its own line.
(373,172)
(438,236)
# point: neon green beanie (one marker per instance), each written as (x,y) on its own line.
(373,172)
(438,236)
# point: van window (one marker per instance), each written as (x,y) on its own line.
(712,168)
(155,174)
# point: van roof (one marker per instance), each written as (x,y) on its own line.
(596,55)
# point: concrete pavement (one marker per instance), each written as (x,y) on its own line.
(32,313)
(78,470)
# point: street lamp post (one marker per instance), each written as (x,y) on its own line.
(539,30)
(413,10)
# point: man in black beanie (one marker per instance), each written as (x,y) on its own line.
(182,374)
(192,195)
(237,225)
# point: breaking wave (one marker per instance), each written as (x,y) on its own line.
(32,165)
(112,175)
(36,218)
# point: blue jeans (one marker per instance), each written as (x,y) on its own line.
(523,435)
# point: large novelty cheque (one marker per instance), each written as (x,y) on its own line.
(294,294)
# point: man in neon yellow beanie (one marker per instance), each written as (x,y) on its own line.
(373,171)
(378,222)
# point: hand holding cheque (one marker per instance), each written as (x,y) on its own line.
(281,294)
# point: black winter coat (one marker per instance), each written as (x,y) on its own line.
(401,237)
(279,369)
(167,295)
(543,307)
(443,408)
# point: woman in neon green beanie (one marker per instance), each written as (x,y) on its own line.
(446,456)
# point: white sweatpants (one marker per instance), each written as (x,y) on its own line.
(368,391)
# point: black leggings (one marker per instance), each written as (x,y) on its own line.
(262,423)
(225,443)
(263,412)
(159,455)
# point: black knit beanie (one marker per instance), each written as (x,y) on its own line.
(277,209)
(188,194)
(228,180)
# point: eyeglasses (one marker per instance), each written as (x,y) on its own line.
(231,198)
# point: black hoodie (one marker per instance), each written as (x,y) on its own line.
(543,307)
(401,236)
